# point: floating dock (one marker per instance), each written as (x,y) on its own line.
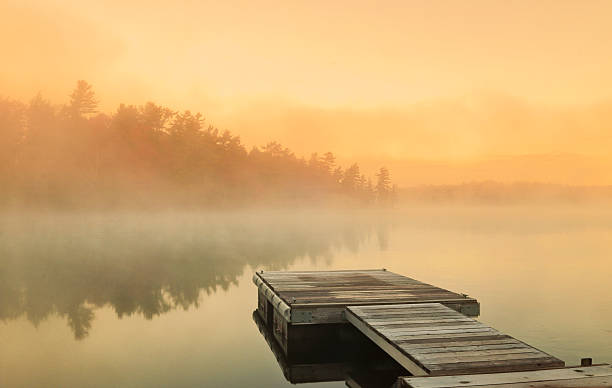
(291,301)
(431,339)
(315,297)
(427,330)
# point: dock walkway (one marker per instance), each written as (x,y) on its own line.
(431,339)
(599,376)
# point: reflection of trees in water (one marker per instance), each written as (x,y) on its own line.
(149,265)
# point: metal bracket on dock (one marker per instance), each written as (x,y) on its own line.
(298,316)
(279,304)
(470,310)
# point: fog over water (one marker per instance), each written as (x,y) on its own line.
(165,299)
(155,154)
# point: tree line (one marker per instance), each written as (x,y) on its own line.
(72,155)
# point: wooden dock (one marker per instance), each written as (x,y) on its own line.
(427,330)
(315,297)
(431,339)
(292,302)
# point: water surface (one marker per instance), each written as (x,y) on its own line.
(133,299)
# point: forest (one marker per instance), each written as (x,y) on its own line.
(73,156)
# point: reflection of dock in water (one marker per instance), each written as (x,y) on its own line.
(346,325)
(330,362)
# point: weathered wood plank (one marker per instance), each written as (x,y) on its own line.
(593,376)
(511,365)
(469,337)
(468,357)
(450,344)
(452,354)
(411,325)
(445,334)
(433,328)
(407,314)
(451,349)
(587,382)
(388,301)
(425,321)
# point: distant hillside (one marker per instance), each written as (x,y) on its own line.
(561,169)
(499,193)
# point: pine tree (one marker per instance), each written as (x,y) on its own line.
(383,184)
(329,162)
(350,181)
(83,100)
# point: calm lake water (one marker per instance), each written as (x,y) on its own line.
(131,300)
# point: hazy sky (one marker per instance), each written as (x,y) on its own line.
(450,81)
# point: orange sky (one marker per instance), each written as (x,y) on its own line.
(395,82)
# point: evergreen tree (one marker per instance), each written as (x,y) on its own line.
(83,100)
(350,180)
(383,184)
(329,162)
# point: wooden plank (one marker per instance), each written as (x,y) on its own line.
(474,357)
(463,347)
(436,328)
(334,271)
(388,301)
(402,313)
(467,337)
(450,349)
(587,382)
(339,290)
(412,325)
(451,344)
(329,296)
(414,319)
(317,287)
(512,365)
(406,337)
(593,376)
(423,321)
(384,310)
(476,353)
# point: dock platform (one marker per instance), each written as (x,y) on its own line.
(306,305)
(314,297)
(432,339)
